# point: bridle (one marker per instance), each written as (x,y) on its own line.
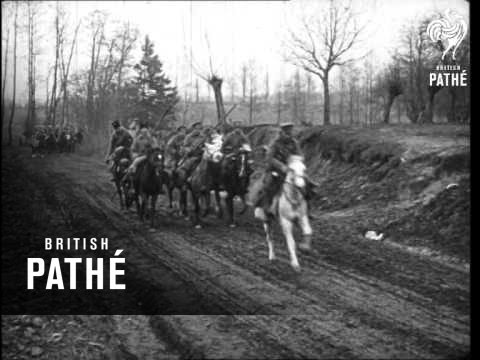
(301,190)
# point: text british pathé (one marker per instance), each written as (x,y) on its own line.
(36,266)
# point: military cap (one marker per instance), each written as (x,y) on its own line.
(287,124)
(115,124)
(196,125)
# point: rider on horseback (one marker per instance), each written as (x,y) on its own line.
(173,149)
(142,142)
(119,140)
(283,146)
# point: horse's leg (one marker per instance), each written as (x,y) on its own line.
(119,192)
(196,203)
(268,235)
(207,197)
(170,194)
(153,201)
(218,202)
(304,223)
(245,207)
(229,201)
(287,228)
(143,204)
(183,202)
(137,202)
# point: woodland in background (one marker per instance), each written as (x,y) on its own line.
(330,85)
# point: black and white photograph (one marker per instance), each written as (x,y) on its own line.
(199,179)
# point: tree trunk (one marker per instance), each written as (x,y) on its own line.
(453,105)
(326,100)
(53,106)
(5,75)
(216,84)
(12,112)
(31,112)
(426,116)
(244,83)
(250,108)
(387,109)
(279,108)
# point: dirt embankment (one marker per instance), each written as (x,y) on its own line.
(411,183)
(354,298)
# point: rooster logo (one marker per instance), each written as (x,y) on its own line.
(449,30)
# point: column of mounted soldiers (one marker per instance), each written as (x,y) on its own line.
(184,148)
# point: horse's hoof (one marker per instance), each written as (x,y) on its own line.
(296,268)
(233,225)
(152,229)
(198,226)
(304,247)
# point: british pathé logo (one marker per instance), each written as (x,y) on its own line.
(449,30)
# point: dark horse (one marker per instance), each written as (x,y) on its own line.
(225,170)
(235,171)
(148,181)
(121,161)
(175,178)
(179,166)
(201,182)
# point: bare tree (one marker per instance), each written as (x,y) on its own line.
(97,26)
(267,87)
(252,97)
(341,100)
(31,111)
(12,111)
(244,82)
(279,103)
(5,73)
(392,85)
(197,91)
(65,68)
(325,42)
(59,29)
(215,81)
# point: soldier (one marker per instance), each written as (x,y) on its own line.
(119,138)
(193,145)
(174,149)
(282,147)
(142,142)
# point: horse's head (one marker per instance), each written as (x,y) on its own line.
(155,159)
(213,150)
(296,171)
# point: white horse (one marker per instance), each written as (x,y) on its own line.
(290,207)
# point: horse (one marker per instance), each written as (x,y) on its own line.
(235,171)
(50,143)
(121,162)
(78,137)
(205,177)
(290,208)
(175,178)
(148,182)
(182,167)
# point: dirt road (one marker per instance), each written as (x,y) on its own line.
(353,298)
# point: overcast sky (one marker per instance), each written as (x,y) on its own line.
(238,32)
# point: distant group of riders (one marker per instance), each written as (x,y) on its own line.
(205,160)
(49,139)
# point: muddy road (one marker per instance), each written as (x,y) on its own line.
(353,298)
